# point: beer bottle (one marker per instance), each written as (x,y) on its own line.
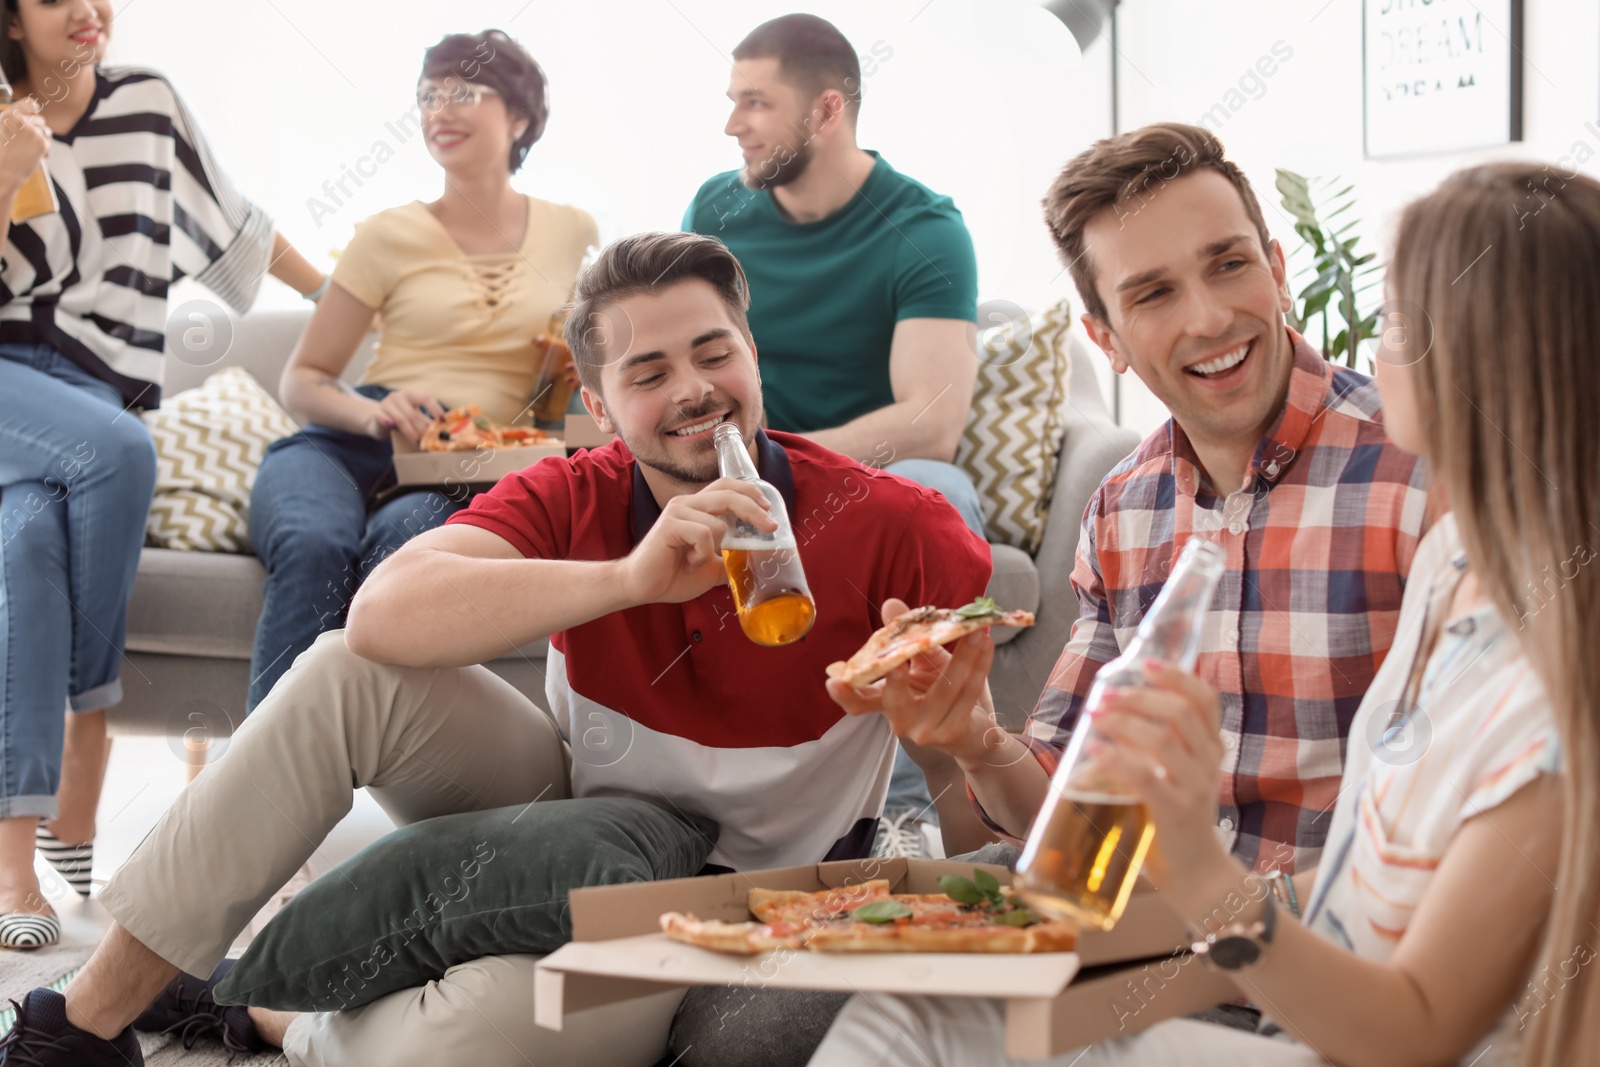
(37,195)
(769,585)
(552,391)
(1086,847)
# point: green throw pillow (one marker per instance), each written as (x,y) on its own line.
(440,892)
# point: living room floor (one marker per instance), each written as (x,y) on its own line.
(147,774)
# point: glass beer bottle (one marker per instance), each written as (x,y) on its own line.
(553,391)
(769,586)
(1086,847)
(38,194)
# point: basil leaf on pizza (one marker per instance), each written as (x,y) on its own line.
(881,911)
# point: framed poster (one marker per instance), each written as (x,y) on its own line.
(1440,76)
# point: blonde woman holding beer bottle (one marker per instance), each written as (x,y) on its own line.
(465,286)
(1453,916)
(130,202)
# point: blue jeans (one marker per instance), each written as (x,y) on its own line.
(76,476)
(908,789)
(319,532)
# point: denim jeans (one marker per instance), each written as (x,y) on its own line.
(76,476)
(319,532)
(908,788)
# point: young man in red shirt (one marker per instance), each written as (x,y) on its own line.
(614,555)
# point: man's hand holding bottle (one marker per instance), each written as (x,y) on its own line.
(681,557)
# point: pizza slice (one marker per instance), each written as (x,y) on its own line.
(739,939)
(920,630)
(972,916)
(780,905)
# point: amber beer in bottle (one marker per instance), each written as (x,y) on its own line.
(1086,847)
(769,586)
(37,195)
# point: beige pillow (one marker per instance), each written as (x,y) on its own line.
(1014,430)
(209,443)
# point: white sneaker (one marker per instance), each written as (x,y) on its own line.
(901,836)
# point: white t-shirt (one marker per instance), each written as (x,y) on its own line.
(1480,730)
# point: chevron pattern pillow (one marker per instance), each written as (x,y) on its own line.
(1014,429)
(209,443)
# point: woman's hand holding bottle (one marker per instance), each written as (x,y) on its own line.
(24,143)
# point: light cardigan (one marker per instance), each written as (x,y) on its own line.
(143,204)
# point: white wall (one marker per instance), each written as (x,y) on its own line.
(979,99)
(1180,57)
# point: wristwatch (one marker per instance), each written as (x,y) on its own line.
(1238,945)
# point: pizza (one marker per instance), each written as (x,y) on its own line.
(868,918)
(466,430)
(920,630)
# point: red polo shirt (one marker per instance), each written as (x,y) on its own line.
(671,702)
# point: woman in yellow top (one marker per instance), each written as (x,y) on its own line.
(463,286)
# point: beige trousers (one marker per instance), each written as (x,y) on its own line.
(423,742)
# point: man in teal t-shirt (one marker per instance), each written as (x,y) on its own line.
(863,291)
(863,283)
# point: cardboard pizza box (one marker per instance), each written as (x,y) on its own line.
(583,432)
(481,467)
(618,953)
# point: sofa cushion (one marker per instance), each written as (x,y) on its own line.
(446,890)
(209,444)
(1014,430)
(1014,585)
(195,603)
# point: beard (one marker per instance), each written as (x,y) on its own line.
(782,167)
(701,468)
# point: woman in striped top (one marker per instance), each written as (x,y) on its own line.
(83,306)
(1454,916)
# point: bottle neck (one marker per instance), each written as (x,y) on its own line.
(1171,632)
(733,458)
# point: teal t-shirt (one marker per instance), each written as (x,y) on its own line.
(825,296)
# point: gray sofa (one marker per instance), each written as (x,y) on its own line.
(193,614)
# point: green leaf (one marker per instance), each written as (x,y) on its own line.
(979,608)
(881,911)
(988,884)
(480,422)
(961,890)
(1017,917)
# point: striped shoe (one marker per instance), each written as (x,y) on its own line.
(21,930)
(72,862)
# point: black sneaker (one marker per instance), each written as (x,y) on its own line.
(187,1008)
(42,1037)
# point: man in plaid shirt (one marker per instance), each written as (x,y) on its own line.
(1272,452)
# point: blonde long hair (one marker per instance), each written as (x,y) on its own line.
(1499,270)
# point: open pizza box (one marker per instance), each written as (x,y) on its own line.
(1115,983)
(480,467)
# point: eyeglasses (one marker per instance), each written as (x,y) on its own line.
(431,96)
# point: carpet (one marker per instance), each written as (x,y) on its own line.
(53,967)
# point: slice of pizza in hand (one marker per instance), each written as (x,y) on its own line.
(920,630)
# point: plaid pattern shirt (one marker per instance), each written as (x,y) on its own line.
(1319,540)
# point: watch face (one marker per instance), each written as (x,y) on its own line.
(1232,953)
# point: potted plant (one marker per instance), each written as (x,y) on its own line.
(1338,278)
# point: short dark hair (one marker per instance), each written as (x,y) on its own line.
(13,60)
(492,58)
(642,263)
(812,56)
(1116,170)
